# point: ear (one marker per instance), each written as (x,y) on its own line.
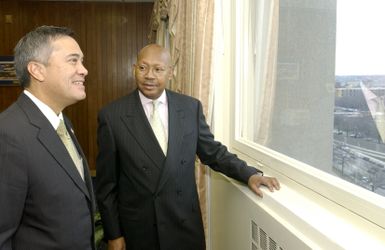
(133,70)
(36,70)
(170,73)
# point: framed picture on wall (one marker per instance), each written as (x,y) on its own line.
(7,71)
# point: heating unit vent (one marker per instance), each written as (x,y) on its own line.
(261,240)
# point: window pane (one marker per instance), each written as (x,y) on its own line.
(321,108)
(301,117)
(359,122)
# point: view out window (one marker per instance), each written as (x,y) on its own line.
(359,118)
(313,84)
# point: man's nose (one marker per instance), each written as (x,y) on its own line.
(82,70)
(150,73)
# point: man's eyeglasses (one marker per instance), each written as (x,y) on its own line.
(156,70)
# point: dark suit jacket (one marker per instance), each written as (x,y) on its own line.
(146,196)
(44,203)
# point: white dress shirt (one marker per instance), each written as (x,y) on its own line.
(47,111)
(163,108)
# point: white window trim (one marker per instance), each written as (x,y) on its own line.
(364,203)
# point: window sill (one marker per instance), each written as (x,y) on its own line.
(312,181)
(315,221)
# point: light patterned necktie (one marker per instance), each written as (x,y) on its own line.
(68,143)
(157,126)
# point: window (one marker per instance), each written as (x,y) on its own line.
(359,118)
(295,113)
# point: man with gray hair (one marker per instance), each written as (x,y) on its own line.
(46,196)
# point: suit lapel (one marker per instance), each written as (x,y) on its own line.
(51,141)
(175,125)
(137,124)
(87,176)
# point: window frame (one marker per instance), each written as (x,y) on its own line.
(364,203)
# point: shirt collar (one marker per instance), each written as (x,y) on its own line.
(46,110)
(144,100)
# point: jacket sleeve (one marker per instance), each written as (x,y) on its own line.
(107,179)
(216,156)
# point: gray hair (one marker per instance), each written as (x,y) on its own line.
(36,46)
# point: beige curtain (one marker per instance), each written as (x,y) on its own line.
(268,69)
(186,28)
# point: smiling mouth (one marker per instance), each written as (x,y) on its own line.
(78,82)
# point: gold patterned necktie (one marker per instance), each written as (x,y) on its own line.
(68,143)
(157,126)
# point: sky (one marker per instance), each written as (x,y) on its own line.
(360,37)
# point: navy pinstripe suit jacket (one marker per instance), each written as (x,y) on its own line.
(144,196)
